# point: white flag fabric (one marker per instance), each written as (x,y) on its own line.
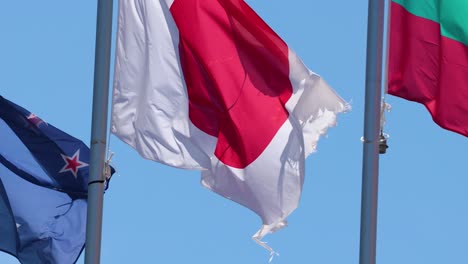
(206,84)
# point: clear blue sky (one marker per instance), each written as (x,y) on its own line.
(157,214)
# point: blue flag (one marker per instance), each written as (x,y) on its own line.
(43,188)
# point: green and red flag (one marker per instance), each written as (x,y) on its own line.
(428,58)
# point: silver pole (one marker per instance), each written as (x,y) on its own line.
(98,132)
(370,165)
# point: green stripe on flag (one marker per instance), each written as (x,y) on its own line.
(422,8)
(452,15)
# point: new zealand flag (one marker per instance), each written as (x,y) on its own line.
(43,188)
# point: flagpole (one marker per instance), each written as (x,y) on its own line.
(98,132)
(370,165)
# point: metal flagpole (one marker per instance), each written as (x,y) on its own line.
(370,165)
(98,132)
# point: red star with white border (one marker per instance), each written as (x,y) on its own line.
(35,120)
(73,163)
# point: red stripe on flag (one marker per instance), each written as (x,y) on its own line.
(428,68)
(237,74)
